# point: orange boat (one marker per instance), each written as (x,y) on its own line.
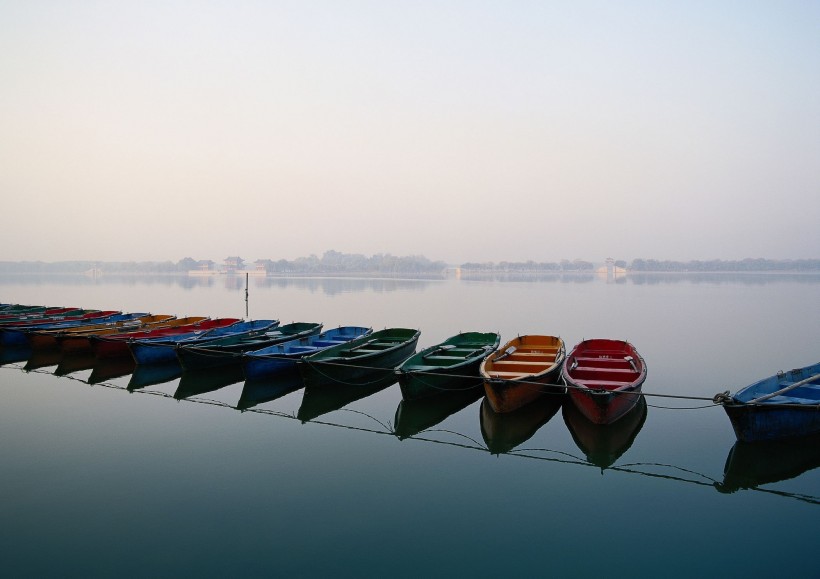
(522,370)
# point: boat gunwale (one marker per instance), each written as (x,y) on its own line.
(322,357)
(560,357)
(578,385)
(480,354)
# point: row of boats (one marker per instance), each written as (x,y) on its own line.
(605,375)
(602,377)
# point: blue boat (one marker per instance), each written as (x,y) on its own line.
(163,349)
(283,357)
(227,351)
(786,405)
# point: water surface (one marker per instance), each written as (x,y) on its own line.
(110,471)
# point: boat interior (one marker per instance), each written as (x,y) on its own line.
(448,355)
(522,361)
(372,346)
(606,370)
(808,394)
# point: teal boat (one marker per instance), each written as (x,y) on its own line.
(361,361)
(450,365)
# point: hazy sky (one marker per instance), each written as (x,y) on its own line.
(461,130)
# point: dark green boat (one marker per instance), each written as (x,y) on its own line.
(361,361)
(450,365)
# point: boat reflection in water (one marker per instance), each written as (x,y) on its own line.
(153,374)
(503,431)
(321,399)
(14,355)
(415,416)
(43,359)
(195,382)
(75,362)
(109,368)
(750,465)
(603,444)
(258,391)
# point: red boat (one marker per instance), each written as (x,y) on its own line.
(115,345)
(604,378)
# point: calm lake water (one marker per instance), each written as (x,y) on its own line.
(171,478)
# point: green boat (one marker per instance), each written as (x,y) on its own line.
(450,365)
(362,361)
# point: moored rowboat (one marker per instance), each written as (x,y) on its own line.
(785,405)
(604,378)
(228,350)
(360,362)
(450,365)
(524,369)
(281,358)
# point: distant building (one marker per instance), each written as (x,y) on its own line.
(234,264)
(203,267)
(610,270)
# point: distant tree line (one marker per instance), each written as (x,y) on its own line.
(529,266)
(651,265)
(75,267)
(334,262)
(719,265)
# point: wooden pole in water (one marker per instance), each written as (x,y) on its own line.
(246,295)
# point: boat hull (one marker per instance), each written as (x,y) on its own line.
(604,379)
(523,370)
(753,423)
(153,353)
(603,407)
(510,395)
(451,366)
(786,405)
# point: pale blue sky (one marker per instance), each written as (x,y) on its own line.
(460,130)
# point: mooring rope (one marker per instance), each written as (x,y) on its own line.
(545,388)
(716,400)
